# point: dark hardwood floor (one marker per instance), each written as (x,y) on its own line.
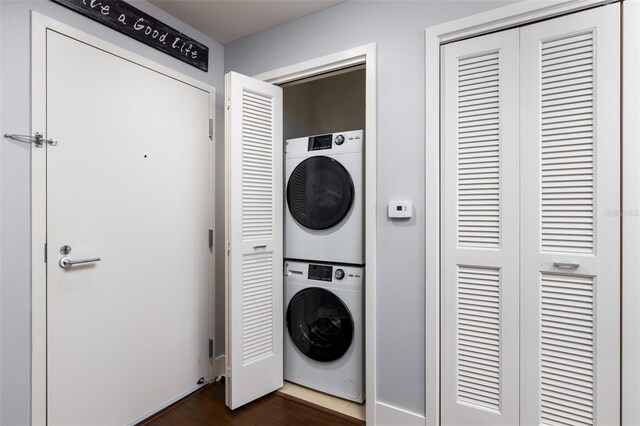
(206,407)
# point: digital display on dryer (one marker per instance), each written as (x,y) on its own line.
(320,272)
(320,142)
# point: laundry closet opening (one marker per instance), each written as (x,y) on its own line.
(300,147)
(324,257)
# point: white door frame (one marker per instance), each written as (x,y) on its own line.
(39,25)
(356,56)
(515,15)
(630,213)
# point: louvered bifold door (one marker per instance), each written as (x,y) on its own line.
(254,234)
(480,231)
(570,354)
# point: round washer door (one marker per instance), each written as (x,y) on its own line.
(319,324)
(319,192)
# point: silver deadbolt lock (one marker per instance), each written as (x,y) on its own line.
(65,250)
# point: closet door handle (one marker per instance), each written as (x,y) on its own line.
(257,246)
(566,265)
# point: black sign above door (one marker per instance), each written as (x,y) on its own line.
(123,17)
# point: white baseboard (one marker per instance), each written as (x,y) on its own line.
(219,365)
(388,415)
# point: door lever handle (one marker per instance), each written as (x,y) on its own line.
(66,262)
(566,265)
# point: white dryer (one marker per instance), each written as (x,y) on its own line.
(324,343)
(325,198)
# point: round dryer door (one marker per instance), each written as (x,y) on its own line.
(319,192)
(319,324)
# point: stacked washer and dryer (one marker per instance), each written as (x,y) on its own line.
(324,263)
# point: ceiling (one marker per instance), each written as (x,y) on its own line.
(229,20)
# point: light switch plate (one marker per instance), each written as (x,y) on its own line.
(400,209)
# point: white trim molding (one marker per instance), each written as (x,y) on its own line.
(388,415)
(510,16)
(630,213)
(39,25)
(514,15)
(324,64)
(347,58)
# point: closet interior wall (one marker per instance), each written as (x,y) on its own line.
(325,105)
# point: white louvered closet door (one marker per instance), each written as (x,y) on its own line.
(254,238)
(480,263)
(570,170)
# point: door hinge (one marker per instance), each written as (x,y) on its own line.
(210,348)
(211,128)
(228,104)
(210,238)
(45,252)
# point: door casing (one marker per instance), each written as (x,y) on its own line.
(503,18)
(362,55)
(39,25)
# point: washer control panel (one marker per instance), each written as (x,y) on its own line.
(320,272)
(328,273)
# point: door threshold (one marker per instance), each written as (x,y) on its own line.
(345,409)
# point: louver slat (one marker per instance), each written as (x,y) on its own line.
(567,143)
(567,350)
(479,151)
(257,307)
(478,337)
(257,166)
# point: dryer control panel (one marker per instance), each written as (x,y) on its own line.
(320,142)
(345,142)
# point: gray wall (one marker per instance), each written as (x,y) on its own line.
(15,250)
(398,29)
(1,127)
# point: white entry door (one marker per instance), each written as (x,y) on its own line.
(128,183)
(254,226)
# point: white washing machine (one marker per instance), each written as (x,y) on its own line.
(325,198)
(324,334)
